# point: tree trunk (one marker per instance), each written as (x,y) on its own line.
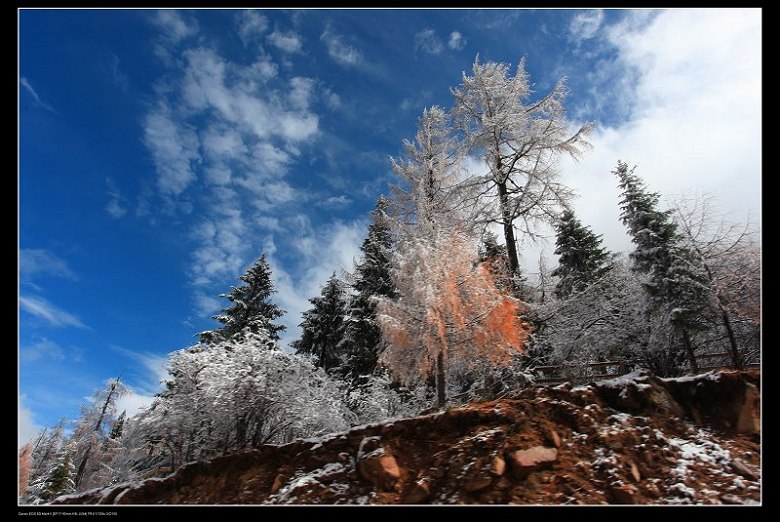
(735,358)
(440,384)
(689,350)
(509,231)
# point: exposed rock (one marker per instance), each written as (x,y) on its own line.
(377,465)
(635,472)
(555,438)
(418,493)
(743,469)
(749,419)
(477,483)
(523,462)
(622,494)
(497,466)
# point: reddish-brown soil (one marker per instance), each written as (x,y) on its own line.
(636,439)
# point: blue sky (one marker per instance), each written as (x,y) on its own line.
(160,152)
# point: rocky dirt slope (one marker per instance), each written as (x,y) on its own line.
(636,439)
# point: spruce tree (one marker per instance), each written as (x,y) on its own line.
(60,480)
(251,306)
(583,260)
(324,326)
(372,278)
(676,285)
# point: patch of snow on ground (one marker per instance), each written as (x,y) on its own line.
(623,380)
(308,481)
(712,375)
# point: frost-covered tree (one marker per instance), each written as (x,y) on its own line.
(449,314)
(251,306)
(91,430)
(676,283)
(429,172)
(235,395)
(601,322)
(379,397)
(61,479)
(370,280)
(44,457)
(729,255)
(582,259)
(323,327)
(494,255)
(519,140)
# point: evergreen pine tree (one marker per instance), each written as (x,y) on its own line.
(582,259)
(676,284)
(61,479)
(118,427)
(251,306)
(371,279)
(324,326)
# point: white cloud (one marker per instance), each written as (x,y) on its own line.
(35,261)
(341,53)
(133,402)
(206,305)
(44,349)
(335,202)
(220,238)
(251,24)
(322,250)
(43,309)
(151,370)
(585,24)
(42,104)
(456,41)
(289,42)
(173,26)
(695,121)
(221,142)
(174,149)
(115,207)
(428,41)
(207,85)
(27,427)
(332,100)
(301,90)
(269,223)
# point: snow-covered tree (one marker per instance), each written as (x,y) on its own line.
(371,279)
(237,394)
(519,140)
(90,432)
(60,480)
(582,259)
(44,457)
(676,282)
(449,314)
(601,322)
(429,172)
(323,327)
(379,397)
(251,308)
(729,255)
(494,255)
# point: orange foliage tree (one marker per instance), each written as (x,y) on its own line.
(449,311)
